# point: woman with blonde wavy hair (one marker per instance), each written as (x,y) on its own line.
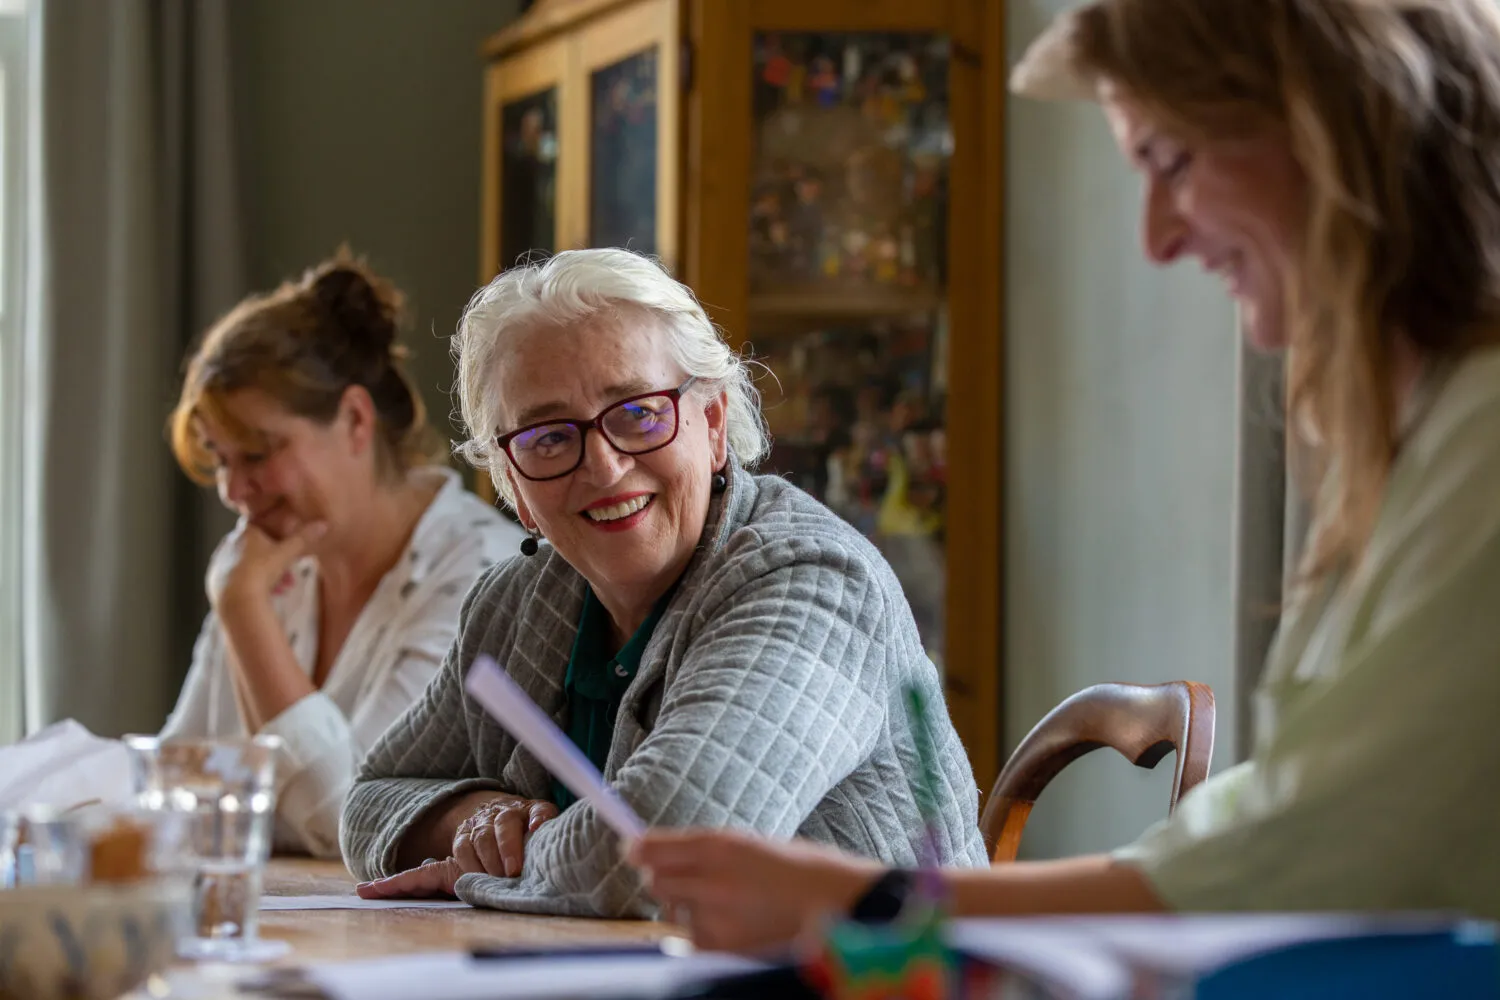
(1337,163)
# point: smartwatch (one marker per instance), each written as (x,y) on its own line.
(882,902)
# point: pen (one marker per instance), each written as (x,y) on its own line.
(927,771)
(622,950)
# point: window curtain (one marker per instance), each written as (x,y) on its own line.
(135,245)
(14,89)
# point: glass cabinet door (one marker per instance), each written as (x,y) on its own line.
(528,176)
(629,68)
(623,140)
(582,136)
(850,150)
(526,166)
(527,156)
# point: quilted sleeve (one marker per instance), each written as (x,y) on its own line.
(426,756)
(770,708)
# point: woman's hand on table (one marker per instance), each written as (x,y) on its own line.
(493,838)
(435,878)
(736,892)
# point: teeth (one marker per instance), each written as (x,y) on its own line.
(619,510)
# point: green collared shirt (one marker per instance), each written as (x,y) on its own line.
(596,682)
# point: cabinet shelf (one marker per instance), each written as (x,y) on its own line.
(793,302)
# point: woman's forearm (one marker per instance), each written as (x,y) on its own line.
(268,678)
(1090,884)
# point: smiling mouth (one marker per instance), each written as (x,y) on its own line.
(619,511)
(272,520)
(259,517)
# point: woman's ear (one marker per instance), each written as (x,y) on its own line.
(523,512)
(357,417)
(715,414)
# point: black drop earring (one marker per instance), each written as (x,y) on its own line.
(528,544)
(718,484)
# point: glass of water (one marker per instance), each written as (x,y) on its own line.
(220,795)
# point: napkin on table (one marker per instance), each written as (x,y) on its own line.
(64,765)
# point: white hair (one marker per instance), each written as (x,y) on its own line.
(579,288)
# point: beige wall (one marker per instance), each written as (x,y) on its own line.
(362,124)
(1121,452)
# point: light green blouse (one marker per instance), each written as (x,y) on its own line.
(1375,778)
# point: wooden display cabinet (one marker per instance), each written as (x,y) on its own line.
(828,177)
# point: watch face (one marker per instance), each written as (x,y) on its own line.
(882,902)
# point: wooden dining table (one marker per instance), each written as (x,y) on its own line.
(332,935)
(336,935)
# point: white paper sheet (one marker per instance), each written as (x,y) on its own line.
(353,902)
(456,976)
(504,699)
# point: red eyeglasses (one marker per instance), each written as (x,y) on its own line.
(635,426)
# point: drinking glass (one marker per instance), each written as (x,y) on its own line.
(41,846)
(222,794)
(10,843)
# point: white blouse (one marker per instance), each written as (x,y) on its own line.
(393,649)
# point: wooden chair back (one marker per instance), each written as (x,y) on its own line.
(1143,722)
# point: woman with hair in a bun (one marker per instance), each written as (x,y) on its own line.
(337,594)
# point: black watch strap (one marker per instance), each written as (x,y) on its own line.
(882,902)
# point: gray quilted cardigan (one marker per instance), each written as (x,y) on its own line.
(769,697)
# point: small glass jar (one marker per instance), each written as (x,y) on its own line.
(47,848)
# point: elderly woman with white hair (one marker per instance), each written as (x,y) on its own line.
(726,650)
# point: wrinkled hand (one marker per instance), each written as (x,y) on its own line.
(434,879)
(493,838)
(735,892)
(263,562)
